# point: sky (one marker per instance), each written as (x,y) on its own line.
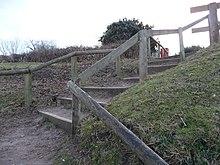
(83,22)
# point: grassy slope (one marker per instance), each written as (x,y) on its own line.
(176,113)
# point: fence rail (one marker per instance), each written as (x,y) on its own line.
(146,154)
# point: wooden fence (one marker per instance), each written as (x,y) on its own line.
(143,38)
(146,154)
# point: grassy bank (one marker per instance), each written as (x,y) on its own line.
(176,113)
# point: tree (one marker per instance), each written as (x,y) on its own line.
(122,30)
(41,50)
(40,45)
(11,47)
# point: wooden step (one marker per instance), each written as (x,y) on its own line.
(164,61)
(152,69)
(132,79)
(68,100)
(104,92)
(60,117)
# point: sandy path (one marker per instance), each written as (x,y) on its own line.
(27,139)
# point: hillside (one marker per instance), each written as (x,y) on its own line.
(176,113)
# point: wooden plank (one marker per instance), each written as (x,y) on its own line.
(202,8)
(146,154)
(107,59)
(213,24)
(164,32)
(182,50)
(201,29)
(58,120)
(142,55)
(75,115)
(199,8)
(28,89)
(76,53)
(194,23)
(74,73)
(118,66)
(14,72)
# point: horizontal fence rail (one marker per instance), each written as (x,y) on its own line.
(146,154)
(72,54)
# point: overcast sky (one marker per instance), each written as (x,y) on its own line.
(82,22)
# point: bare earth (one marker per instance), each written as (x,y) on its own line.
(29,140)
(25,138)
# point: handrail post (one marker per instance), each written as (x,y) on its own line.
(143,51)
(28,89)
(213,23)
(182,51)
(118,66)
(75,101)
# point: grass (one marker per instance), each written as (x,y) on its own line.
(18,65)
(176,113)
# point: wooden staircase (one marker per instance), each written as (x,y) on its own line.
(62,116)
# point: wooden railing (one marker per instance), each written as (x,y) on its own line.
(146,154)
(143,37)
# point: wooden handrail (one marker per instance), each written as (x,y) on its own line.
(107,59)
(76,53)
(194,23)
(14,72)
(146,154)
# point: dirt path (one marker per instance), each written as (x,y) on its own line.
(28,139)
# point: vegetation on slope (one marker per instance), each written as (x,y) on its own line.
(176,113)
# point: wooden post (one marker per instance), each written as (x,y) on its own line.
(146,154)
(213,23)
(118,66)
(158,52)
(212,19)
(182,51)
(73,68)
(75,102)
(143,50)
(148,48)
(28,89)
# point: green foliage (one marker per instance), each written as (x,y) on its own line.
(176,113)
(122,30)
(192,49)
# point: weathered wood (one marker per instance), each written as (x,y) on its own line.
(201,29)
(74,73)
(148,48)
(118,66)
(194,23)
(212,19)
(201,8)
(76,53)
(164,32)
(146,154)
(213,24)
(182,51)
(28,89)
(107,59)
(75,114)
(143,50)
(14,72)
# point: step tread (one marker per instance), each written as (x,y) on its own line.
(106,88)
(102,102)
(163,65)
